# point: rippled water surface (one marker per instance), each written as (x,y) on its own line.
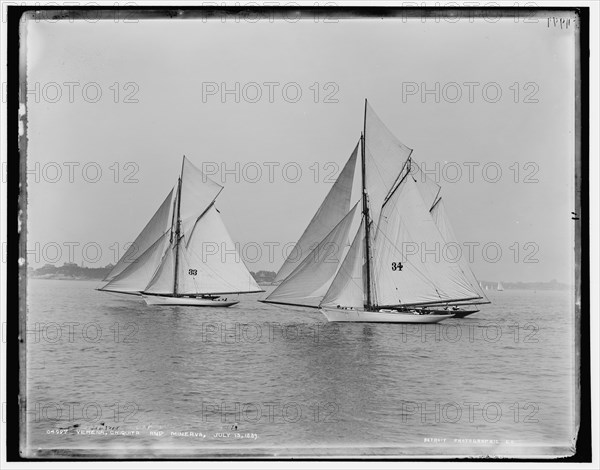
(108,375)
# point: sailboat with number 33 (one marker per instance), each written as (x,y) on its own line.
(358,263)
(184,255)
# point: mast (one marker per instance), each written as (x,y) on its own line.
(366,211)
(178,230)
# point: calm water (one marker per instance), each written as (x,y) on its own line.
(107,374)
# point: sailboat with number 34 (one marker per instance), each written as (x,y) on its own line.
(184,255)
(362,263)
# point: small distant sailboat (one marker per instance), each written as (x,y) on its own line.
(184,255)
(353,263)
(500,286)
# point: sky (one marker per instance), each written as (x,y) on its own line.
(161,84)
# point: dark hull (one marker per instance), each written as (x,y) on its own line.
(462,313)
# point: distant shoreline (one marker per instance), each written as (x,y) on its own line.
(548,286)
(74,272)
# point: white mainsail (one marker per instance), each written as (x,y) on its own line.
(193,254)
(403,272)
(211,254)
(309,282)
(335,206)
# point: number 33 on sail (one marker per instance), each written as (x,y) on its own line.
(166,264)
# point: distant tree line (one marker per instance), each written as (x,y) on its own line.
(70,271)
(552,285)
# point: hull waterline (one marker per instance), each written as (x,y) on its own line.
(363,316)
(462,313)
(187,301)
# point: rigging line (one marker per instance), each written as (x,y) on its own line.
(410,172)
(178,229)
(173,213)
(399,178)
(393,191)
(191,233)
(436,200)
(446,301)
(366,214)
